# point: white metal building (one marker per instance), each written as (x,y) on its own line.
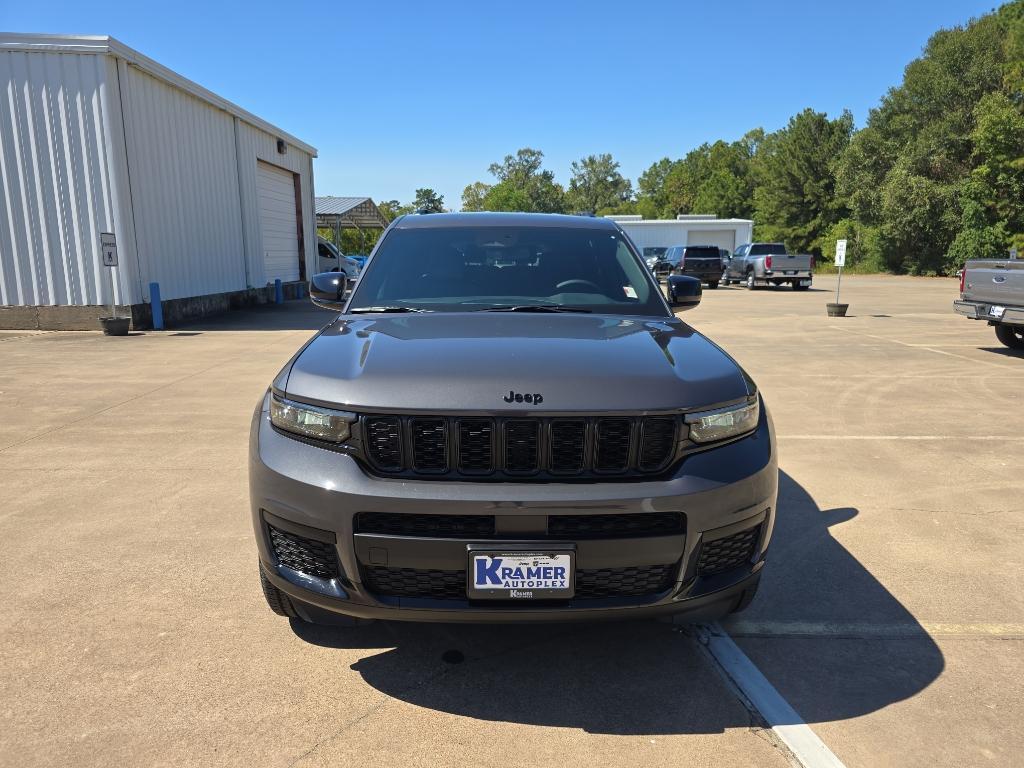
(204,198)
(686,230)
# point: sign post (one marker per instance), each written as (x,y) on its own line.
(108,246)
(840,262)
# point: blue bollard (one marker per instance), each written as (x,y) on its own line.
(278,292)
(156,307)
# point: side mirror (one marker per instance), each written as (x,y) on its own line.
(684,291)
(327,290)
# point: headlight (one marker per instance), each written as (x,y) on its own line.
(721,424)
(310,420)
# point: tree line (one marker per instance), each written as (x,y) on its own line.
(934,177)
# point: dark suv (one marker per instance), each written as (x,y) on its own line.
(703,262)
(507,422)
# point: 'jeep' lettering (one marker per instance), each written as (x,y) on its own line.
(535,398)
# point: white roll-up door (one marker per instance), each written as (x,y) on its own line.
(278,225)
(723,238)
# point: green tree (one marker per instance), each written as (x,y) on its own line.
(524,185)
(428,201)
(473,196)
(597,186)
(795,198)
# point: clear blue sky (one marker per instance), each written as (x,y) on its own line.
(401,95)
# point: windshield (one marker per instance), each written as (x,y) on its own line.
(654,253)
(764,249)
(701,251)
(515,267)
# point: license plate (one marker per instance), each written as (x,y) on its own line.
(533,575)
(790,272)
(996,311)
(805,282)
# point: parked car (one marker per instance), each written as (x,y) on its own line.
(993,290)
(661,262)
(430,455)
(703,262)
(333,260)
(754,264)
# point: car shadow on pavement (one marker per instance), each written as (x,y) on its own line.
(648,678)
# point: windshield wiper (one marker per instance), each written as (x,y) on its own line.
(370,310)
(532,308)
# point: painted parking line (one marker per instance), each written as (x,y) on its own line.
(874,631)
(785,723)
(964,438)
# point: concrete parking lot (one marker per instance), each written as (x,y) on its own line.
(891,616)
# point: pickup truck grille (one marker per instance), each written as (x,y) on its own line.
(538,448)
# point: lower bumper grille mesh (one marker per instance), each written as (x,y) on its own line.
(632,581)
(729,552)
(308,556)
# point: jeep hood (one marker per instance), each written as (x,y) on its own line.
(471,362)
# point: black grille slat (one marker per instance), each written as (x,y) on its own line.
(429,444)
(630,581)
(308,556)
(522,446)
(541,448)
(616,526)
(568,445)
(613,438)
(424,525)
(476,445)
(728,552)
(383,442)
(657,442)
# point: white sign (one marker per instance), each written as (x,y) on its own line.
(840,253)
(108,245)
(1013,253)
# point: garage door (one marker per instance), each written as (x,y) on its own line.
(723,238)
(276,193)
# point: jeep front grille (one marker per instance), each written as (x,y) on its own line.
(539,448)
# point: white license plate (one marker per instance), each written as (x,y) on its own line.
(502,575)
(805,282)
(996,311)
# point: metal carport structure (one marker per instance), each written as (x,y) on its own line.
(340,213)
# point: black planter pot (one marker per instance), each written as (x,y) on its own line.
(116,326)
(836,310)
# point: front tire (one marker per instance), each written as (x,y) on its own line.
(712,284)
(1011,336)
(746,598)
(277,600)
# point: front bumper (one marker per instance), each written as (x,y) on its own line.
(310,492)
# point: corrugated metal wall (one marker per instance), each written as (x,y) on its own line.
(55,184)
(181,161)
(255,144)
(90,144)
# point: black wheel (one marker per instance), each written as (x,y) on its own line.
(712,284)
(284,605)
(750,281)
(798,287)
(278,601)
(1011,336)
(746,598)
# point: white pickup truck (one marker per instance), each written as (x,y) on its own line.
(993,290)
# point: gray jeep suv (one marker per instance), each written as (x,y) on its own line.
(506,422)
